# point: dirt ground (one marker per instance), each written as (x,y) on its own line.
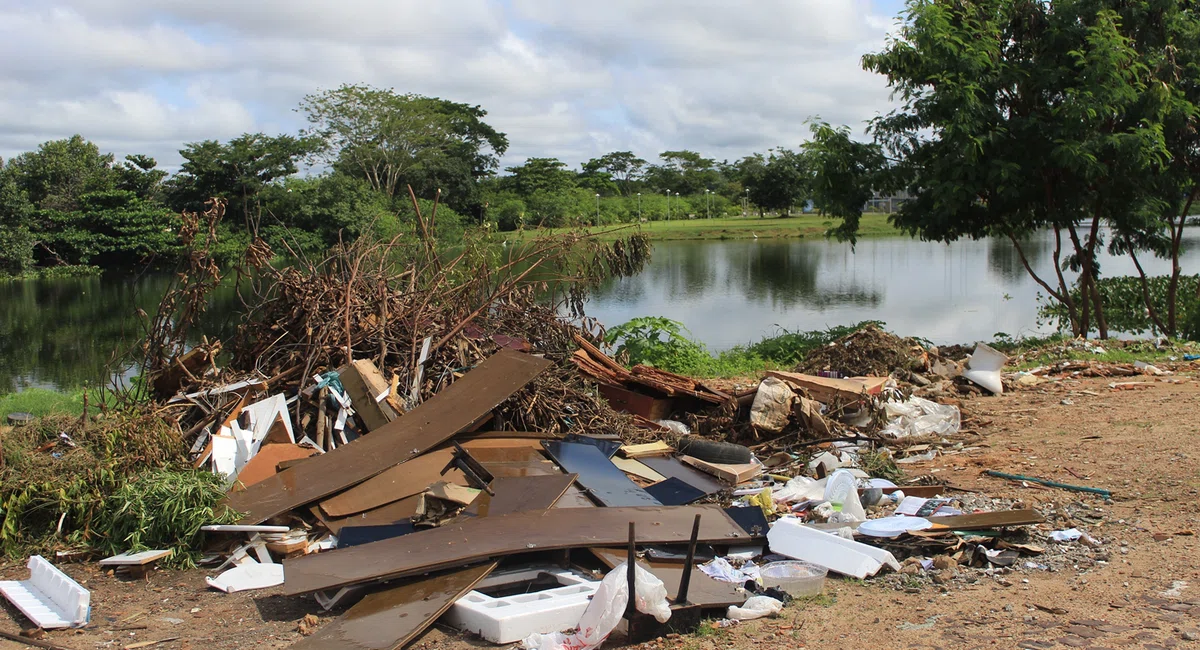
(1140,443)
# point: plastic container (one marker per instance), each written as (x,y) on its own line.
(799,579)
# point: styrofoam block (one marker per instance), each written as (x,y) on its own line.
(792,538)
(512,618)
(49,598)
(248,576)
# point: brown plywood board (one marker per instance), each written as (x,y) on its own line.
(648,449)
(387,514)
(452,410)
(262,466)
(361,380)
(393,617)
(638,469)
(704,590)
(986,520)
(732,474)
(495,537)
(403,480)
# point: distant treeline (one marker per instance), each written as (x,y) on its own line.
(68,203)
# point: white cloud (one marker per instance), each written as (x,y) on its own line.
(564,79)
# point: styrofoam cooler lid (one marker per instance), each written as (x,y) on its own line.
(893,526)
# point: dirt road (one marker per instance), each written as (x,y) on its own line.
(1143,593)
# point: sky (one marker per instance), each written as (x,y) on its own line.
(563,78)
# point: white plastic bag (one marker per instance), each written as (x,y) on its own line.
(799,489)
(842,490)
(755,607)
(919,417)
(605,611)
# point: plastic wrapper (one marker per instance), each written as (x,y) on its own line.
(755,607)
(605,611)
(920,417)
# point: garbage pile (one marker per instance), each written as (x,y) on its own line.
(493,485)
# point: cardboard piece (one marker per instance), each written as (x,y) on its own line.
(732,474)
(826,390)
(638,469)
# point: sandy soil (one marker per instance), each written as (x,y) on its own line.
(1140,443)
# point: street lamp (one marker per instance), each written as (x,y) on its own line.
(668,205)
(708,204)
(597,208)
(639,206)
(745,200)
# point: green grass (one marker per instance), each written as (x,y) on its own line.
(798,226)
(41,402)
(1041,351)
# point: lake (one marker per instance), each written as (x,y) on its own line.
(62,333)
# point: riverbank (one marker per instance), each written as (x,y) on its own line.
(804,226)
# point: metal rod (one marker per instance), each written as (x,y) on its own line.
(1041,481)
(630,573)
(688,565)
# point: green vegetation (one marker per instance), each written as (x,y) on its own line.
(1125,300)
(1041,351)
(795,226)
(108,486)
(664,343)
(1075,116)
(40,402)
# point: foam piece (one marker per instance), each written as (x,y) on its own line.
(512,618)
(793,539)
(49,598)
(248,576)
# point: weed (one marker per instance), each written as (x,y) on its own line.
(822,599)
(879,464)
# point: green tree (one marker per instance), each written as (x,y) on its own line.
(312,213)
(777,181)
(1020,115)
(620,167)
(844,175)
(237,171)
(394,139)
(539,176)
(685,172)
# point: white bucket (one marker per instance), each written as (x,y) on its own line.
(984,366)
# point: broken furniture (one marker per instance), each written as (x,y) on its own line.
(49,598)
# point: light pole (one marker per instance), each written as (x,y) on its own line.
(708,204)
(745,200)
(639,206)
(597,208)
(668,205)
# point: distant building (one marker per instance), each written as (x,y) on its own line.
(887,203)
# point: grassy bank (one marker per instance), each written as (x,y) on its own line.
(53,272)
(807,226)
(41,402)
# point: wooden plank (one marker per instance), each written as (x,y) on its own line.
(648,449)
(826,390)
(453,409)
(597,474)
(986,520)
(732,474)
(361,379)
(627,401)
(393,617)
(704,590)
(386,514)
(403,480)
(134,559)
(638,469)
(670,467)
(494,537)
(263,465)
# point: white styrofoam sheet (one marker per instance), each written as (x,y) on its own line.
(49,598)
(512,618)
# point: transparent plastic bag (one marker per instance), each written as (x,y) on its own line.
(920,417)
(755,607)
(605,611)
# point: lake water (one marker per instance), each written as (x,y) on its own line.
(62,333)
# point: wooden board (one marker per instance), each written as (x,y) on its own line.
(386,514)
(648,449)
(134,559)
(454,409)
(732,474)
(638,469)
(670,467)
(494,537)
(264,463)
(395,616)
(705,591)
(826,390)
(403,480)
(362,382)
(597,475)
(986,520)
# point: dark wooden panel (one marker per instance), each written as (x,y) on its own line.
(986,520)
(674,492)
(704,591)
(391,618)
(672,468)
(393,484)
(494,537)
(518,494)
(388,514)
(597,474)
(454,409)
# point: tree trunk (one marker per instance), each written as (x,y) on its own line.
(1063,295)
(1176,242)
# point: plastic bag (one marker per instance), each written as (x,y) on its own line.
(755,607)
(798,489)
(675,426)
(772,405)
(605,611)
(919,417)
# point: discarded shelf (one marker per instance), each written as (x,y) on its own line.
(49,598)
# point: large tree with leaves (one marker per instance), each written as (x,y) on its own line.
(1020,115)
(776,181)
(393,139)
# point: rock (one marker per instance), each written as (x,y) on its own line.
(308,625)
(944,562)
(911,569)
